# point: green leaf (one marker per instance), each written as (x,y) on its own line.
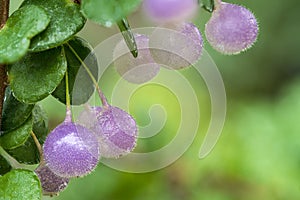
(40,123)
(4,166)
(21,26)
(37,75)
(80,84)
(28,153)
(14,113)
(66,21)
(208,5)
(128,36)
(20,185)
(17,137)
(108,12)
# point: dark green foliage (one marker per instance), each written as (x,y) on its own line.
(39,45)
(37,75)
(15,36)
(80,83)
(20,185)
(4,166)
(19,142)
(18,136)
(15,113)
(27,153)
(66,21)
(40,123)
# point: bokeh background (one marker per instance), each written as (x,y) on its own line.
(258,153)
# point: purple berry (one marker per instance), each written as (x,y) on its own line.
(50,182)
(231,29)
(170,10)
(116,130)
(177,46)
(71,150)
(135,70)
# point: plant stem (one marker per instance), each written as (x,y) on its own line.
(4,10)
(3,84)
(101,95)
(13,162)
(217,3)
(68,101)
(38,145)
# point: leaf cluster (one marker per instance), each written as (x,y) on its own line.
(39,46)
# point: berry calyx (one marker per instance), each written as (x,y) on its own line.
(135,70)
(71,150)
(231,29)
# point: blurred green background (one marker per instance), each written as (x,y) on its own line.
(258,153)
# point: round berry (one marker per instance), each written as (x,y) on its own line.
(231,29)
(50,182)
(177,46)
(71,150)
(115,129)
(135,70)
(170,10)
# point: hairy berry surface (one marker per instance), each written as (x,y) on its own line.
(71,150)
(231,29)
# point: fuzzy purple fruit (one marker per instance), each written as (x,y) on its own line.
(176,46)
(50,182)
(135,70)
(71,150)
(170,10)
(231,29)
(115,129)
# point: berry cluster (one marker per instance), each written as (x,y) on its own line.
(230,30)
(177,44)
(73,149)
(173,46)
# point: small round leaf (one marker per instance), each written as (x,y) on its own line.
(27,153)
(37,75)
(14,113)
(66,21)
(21,26)
(20,185)
(17,137)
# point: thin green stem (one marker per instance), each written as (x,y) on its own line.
(101,95)
(38,145)
(12,161)
(68,100)
(217,4)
